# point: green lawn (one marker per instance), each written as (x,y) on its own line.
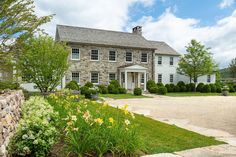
(122,96)
(182,94)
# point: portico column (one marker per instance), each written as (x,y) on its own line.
(63,82)
(145,81)
(138,80)
(120,79)
(126,81)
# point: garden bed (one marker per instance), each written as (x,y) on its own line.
(123,96)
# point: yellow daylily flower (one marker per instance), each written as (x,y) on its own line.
(99,121)
(127,122)
(111,120)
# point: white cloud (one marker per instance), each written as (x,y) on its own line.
(226,3)
(178,32)
(105,14)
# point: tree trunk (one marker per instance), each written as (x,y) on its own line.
(195,83)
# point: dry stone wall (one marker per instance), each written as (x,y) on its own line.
(10,112)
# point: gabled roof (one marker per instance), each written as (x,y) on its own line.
(101,37)
(163,48)
(132,67)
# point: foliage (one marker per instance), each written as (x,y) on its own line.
(122,90)
(176,88)
(96,131)
(112,89)
(191,87)
(231,88)
(150,84)
(183,88)
(9,85)
(73,85)
(181,83)
(159,84)
(206,88)
(197,62)
(17,21)
(115,83)
(137,91)
(36,132)
(162,90)
(91,93)
(218,89)
(169,88)
(199,87)
(89,84)
(153,90)
(232,68)
(213,88)
(44,62)
(103,89)
(83,90)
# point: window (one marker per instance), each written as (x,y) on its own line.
(171,78)
(144,57)
(75,54)
(94,55)
(142,78)
(75,76)
(209,78)
(129,57)
(159,78)
(159,60)
(112,76)
(171,60)
(123,77)
(94,77)
(112,56)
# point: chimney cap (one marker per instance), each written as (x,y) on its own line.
(137,30)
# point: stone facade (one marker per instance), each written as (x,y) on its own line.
(85,66)
(10,112)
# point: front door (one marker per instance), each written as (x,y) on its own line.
(131,79)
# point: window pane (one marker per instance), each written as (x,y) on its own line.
(112,76)
(75,53)
(94,77)
(142,78)
(171,78)
(144,57)
(128,56)
(112,55)
(159,78)
(75,76)
(159,60)
(94,55)
(171,61)
(208,78)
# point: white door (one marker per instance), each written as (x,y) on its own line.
(130,81)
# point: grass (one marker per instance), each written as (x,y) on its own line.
(182,94)
(122,96)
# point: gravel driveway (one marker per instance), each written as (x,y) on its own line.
(214,112)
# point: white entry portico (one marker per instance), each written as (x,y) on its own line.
(133,76)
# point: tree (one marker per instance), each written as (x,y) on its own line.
(232,68)
(18,22)
(197,62)
(44,62)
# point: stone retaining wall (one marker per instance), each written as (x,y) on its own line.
(10,112)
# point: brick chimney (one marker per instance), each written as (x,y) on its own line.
(137,30)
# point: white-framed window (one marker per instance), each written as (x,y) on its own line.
(171,60)
(208,78)
(129,56)
(75,76)
(94,55)
(144,57)
(112,56)
(142,78)
(112,76)
(171,78)
(159,61)
(159,78)
(94,77)
(75,54)
(123,77)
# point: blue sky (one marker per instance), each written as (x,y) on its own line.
(176,22)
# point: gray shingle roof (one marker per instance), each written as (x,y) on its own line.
(163,48)
(101,37)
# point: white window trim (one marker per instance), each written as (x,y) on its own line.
(158,78)
(132,57)
(158,60)
(71,54)
(75,72)
(91,55)
(141,78)
(109,56)
(112,73)
(141,58)
(173,78)
(91,77)
(173,61)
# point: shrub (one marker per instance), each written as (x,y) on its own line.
(83,90)
(199,87)
(169,88)
(103,89)
(162,90)
(137,91)
(73,85)
(206,89)
(9,85)
(36,132)
(183,88)
(91,92)
(231,88)
(115,83)
(234,87)
(122,90)
(153,90)
(112,89)
(150,84)
(176,88)
(213,88)
(181,83)
(89,84)
(191,87)
(159,84)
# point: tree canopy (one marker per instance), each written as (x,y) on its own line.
(197,62)
(232,68)
(44,62)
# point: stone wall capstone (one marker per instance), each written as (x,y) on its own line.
(10,113)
